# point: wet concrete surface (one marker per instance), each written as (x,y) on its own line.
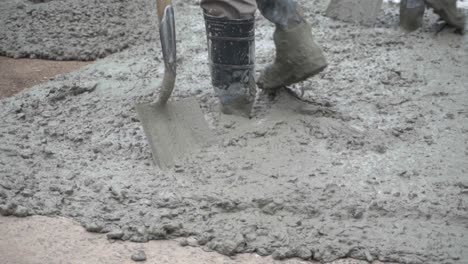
(372,167)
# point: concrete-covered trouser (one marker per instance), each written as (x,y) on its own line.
(447,10)
(230,32)
(229,9)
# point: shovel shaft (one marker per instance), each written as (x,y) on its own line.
(161,6)
(167,86)
(168,44)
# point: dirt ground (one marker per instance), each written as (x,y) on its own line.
(18,74)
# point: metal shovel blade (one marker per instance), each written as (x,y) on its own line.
(174,129)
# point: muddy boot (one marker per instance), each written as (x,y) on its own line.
(231,48)
(298,57)
(411,14)
(447,10)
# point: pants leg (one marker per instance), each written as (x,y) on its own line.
(283,13)
(280,12)
(230,9)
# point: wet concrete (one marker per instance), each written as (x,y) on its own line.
(357,11)
(374,167)
(74,30)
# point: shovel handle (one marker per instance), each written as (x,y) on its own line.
(161,6)
(168,44)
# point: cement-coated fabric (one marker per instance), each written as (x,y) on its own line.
(230,9)
(283,13)
(447,10)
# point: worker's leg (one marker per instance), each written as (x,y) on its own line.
(447,10)
(230,27)
(298,57)
(230,30)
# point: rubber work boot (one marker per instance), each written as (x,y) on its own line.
(231,48)
(447,10)
(411,14)
(298,57)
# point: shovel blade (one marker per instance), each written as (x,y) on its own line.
(174,130)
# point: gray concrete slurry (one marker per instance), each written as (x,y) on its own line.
(74,30)
(373,168)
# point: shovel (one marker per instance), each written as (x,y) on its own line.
(173,129)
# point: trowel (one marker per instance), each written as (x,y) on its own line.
(173,128)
